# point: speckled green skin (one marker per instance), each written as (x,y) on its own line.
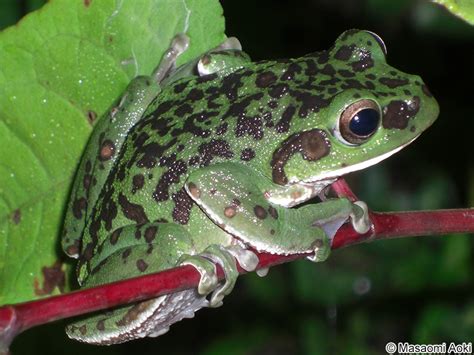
(265,132)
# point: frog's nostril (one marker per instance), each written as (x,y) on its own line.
(414,104)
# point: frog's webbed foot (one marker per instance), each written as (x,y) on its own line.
(205,262)
(178,46)
(360,217)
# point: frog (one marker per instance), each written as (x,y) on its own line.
(221,158)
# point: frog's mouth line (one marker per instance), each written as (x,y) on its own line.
(331,175)
(315,185)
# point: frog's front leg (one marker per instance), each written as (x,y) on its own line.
(178,46)
(234,197)
(205,64)
(136,250)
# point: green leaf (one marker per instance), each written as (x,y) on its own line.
(60,67)
(461,8)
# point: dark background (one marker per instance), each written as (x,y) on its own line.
(417,290)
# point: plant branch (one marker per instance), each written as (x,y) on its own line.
(18,317)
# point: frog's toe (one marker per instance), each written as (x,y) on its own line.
(247,259)
(230,43)
(360,217)
(180,43)
(321,248)
(206,269)
(226,260)
(159,332)
(178,46)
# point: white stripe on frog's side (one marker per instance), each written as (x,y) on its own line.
(297,192)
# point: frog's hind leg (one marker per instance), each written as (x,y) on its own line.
(136,250)
(100,155)
(106,142)
(129,252)
(148,318)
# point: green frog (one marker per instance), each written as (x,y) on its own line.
(209,162)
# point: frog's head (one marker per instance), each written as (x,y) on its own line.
(366,111)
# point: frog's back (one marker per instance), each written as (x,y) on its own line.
(191,124)
(243,116)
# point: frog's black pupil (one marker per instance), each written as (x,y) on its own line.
(365,122)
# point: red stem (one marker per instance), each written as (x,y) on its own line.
(19,317)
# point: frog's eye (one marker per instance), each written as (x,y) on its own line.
(359,121)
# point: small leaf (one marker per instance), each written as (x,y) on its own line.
(461,8)
(61,67)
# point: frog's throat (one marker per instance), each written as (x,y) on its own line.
(330,175)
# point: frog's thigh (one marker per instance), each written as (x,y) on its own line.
(148,318)
(133,251)
(233,196)
(103,147)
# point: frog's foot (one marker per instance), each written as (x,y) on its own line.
(178,46)
(205,262)
(130,251)
(360,217)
